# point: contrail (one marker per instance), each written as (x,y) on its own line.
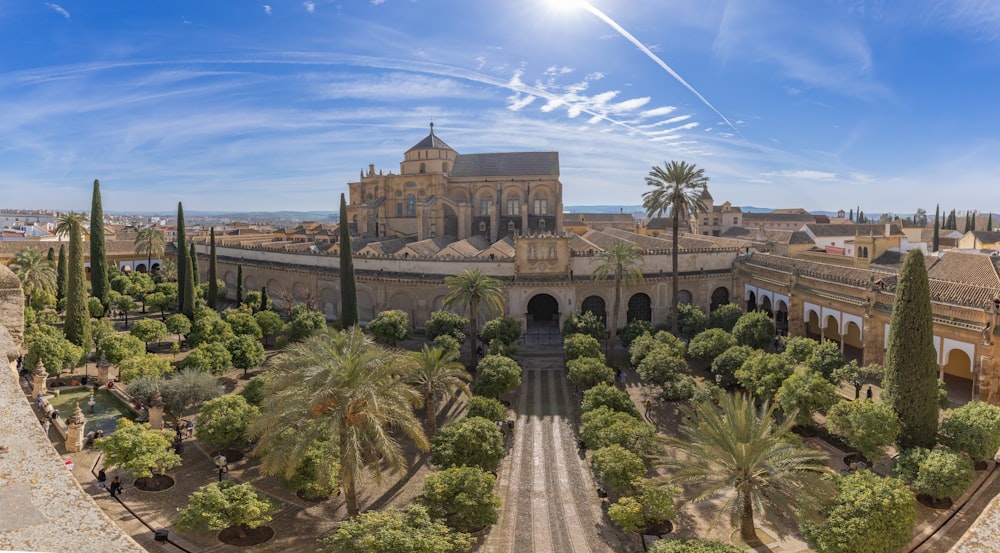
(649,53)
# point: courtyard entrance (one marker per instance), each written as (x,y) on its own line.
(542,324)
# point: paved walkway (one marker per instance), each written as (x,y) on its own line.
(550,498)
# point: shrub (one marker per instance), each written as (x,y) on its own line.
(691,320)
(633,330)
(799,348)
(390,327)
(763,373)
(470,442)
(447,342)
(463,497)
(396,531)
(866,425)
(584,323)
(906,466)
(804,393)
(222,504)
(725,317)
(602,427)
(223,421)
(446,322)
(487,408)
(617,467)
(576,346)
(504,330)
(973,428)
(686,545)
(316,476)
(587,372)
(604,395)
(710,344)
(253,392)
(754,329)
(944,474)
(496,375)
(187,389)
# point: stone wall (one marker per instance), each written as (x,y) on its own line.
(11,307)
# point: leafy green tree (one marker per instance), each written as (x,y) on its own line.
(140,284)
(869,514)
(804,393)
(469,442)
(725,317)
(187,390)
(711,343)
(182,257)
(650,506)
(505,330)
(98,257)
(677,188)
(858,376)
(826,358)
(352,386)
(754,329)
(101,329)
(944,474)
(390,327)
(46,344)
(208,326)
(396,531)
(642,345)
(463,497)
(147,364)
(691,319)
(223,421)
(138,449)
(305,323)
(239,283)
(867,426)
(724,366)
(316,476)
(213,273)
(123,303)
(446,322)
(602,427)
(618,467)
(622,264)
(245,324)
(121,346)
(497,375)
(76,325)
(448,342)
(587,372)
(151,242)
(576,346)
(910,384)
(160,302)
(487,408)
(269,322)
(437,374)
(661,366)
(348,286)
(906,465)
(226,504)
(471,290)
(633,330)
(149,330)
(973,428)
(799,348)
(62,273)
(253,392)
(178,324)
(604,395)
(584,323)
(763,373)
(687,545)
(34,272)
(95,307)
(246,352)
(745,449)
(211,357)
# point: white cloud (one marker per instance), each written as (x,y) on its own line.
(310,6)
(267,9)
(803,174)
(378,2)
(58,9)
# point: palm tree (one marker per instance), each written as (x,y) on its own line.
(437,374)
(621,263)
(150,241)
(339,385)
(742,452)
(677,188)
(35,272)
(470,290)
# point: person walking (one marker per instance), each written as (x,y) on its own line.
(46,424)
(102,479)
(38,401)
(116,487)
(649,407)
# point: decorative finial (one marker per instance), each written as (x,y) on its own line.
(156,399)
(77,418)
(102,363)
(432,127)
(40,369)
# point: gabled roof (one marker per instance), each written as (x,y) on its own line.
(385,247)
(509,164)
(469,247)
(426,248)
(595,218)
(749,218)
(660,223)
(582,246)
(431,141)
(501,249)
(986,236)
(853,230)
(968,268)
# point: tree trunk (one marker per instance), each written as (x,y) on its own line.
(351,496)
(431,406)
(609,358)
(748,533)
(474,327)
(241,530)
(675,274)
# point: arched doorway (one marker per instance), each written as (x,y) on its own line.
(450,221)
(542,320)
(957,375)
(765,306)
(781,318)
(595,305)
(639,307)
(720,297)
(752,302)
(812,326)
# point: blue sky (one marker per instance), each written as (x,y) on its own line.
(277,105)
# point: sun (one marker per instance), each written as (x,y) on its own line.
(563,6)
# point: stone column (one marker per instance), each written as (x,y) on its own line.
(38,384)
(74,430)
(102,371)
(156,410)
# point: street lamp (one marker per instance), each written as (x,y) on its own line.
(220,461)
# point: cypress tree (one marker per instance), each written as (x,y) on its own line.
(952,221)
(989,223)
(99,282)
(188,307)
(213,273)
(348,287)
(851,216)
(967,225)
(861,217)
(181,254)
(194,265)
(263,298)
(77,322)
(937,227)
(239,283)
(61,268)
(51,256)
(972,221)
(911,380)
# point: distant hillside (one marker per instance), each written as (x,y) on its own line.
(640,209)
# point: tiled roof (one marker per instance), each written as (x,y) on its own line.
(506,164)
(705,195)
(854,230)
(967,268)
(592,218)
(427,248)
(469,247)
(385,247)
(987,237)
(431,141)
(750,218)
(581,246)
(658,223)
(643,242)
(501,249)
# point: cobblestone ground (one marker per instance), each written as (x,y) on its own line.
(550,500)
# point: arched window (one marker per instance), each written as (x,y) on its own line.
(411,205)
(423,168)
(482,228)
(541,225)
(510,226)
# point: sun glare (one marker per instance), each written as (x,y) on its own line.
(563,6)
